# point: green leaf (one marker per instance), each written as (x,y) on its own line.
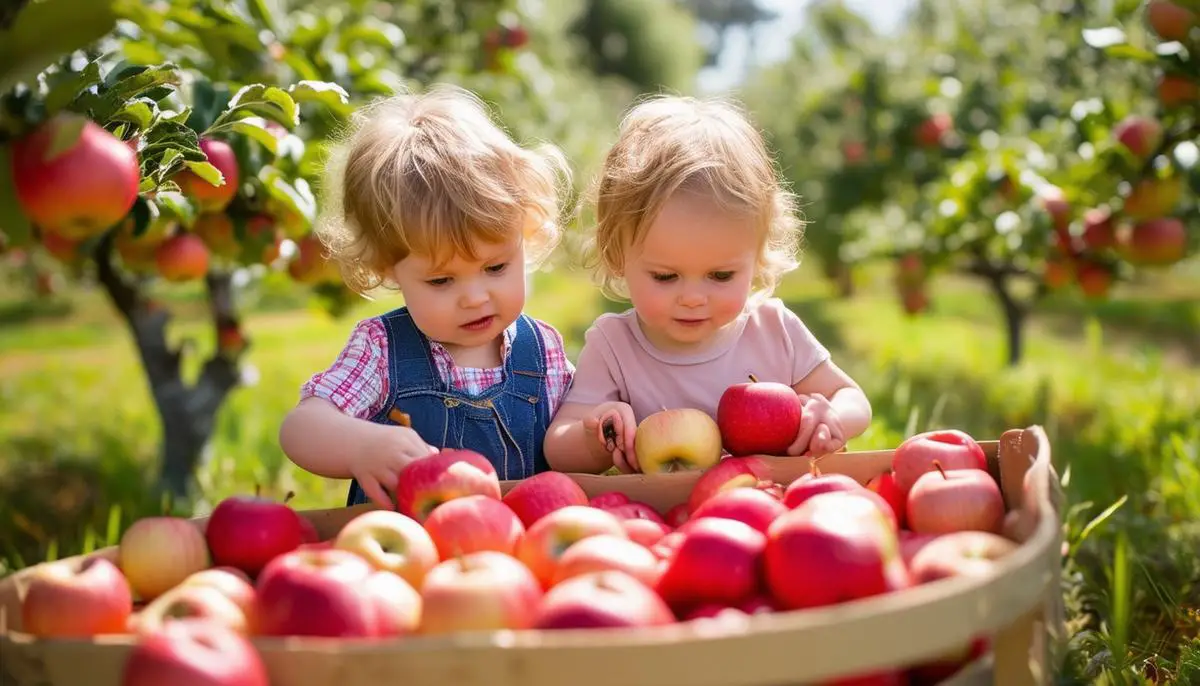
(175,204)
(324,92)
(269,102)
(130,87)
(13,222)
(67,129)
(252,127)
(140,113)
(66,90)
(207,172)
(1130,52)
(46,30)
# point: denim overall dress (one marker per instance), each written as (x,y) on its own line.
(506,423)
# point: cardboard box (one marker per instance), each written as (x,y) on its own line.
(1019,605)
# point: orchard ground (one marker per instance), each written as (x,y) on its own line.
(1115,383)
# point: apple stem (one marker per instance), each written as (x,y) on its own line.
(257,490)
(813,468)
(753,378)
(289,496)
(938,465)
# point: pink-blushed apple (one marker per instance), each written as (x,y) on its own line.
(962,553)
(231,582)
(307,530)
(483,591)
(835,547)
(644,531)
(731,472)
(198,601)
(609,500)
(747,505)
(194,652)
(546,541)
(757,605)
(397,604)
(758,417)
(675,440)
(717,561)
(156,553)
(542,494)
(77,599)
(912,543)
(603,599)
(316,593)
(391,542)
(473,523)
(247,532)
(954,449)
(427,482)
(885,485)
(945,501)
(666,546)
(636,510)
(814,482)
(598,553)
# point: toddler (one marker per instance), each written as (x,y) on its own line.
(429,197)
(694,227)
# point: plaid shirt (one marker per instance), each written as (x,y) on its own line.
(357,382)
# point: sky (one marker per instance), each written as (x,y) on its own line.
(772,41)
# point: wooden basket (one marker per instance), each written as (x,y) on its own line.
(1019,605)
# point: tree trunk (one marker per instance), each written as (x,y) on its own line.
(842,277)
(188,412)
(1014,314)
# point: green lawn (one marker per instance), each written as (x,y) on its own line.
(1116,385)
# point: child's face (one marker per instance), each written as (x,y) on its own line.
(692,274)
(465,303)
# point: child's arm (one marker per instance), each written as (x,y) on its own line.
(575,441)
(835,410)
(320,439)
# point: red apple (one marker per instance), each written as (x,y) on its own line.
(79,191)
(885,486)
(598,553)
(609,500)
(546,541)
(814,482)
(677,440)
(731,472)
(248,532)
(759,417)
(1171,21)
(912,543)
(930,132)
(182,257)
(307,530)
(193,600)
(645,532)
(542,494)
(953,448)
(231,582)
(1152,198)
(194,652)
(835,547)
(474,523)
(1175,90)
(317,593)
(1140,134)
(605,599)
(962,553)
(718,561)
(747,505)
(206,196)
(1155,242)
(1099,230)
(430,481)
(1095,279)
(157,553)
(76,599)
(391,542)
(483,591)
(677,516)
(1055,202)
(666,546)
(945,501)
(397,604)
(636,510)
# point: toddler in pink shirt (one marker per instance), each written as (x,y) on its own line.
(694,227)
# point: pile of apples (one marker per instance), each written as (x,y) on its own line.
(457,556)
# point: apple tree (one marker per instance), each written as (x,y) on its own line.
(146,145)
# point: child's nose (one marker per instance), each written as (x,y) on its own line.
(473,296)
(692,298)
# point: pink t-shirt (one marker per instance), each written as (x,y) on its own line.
(618,362)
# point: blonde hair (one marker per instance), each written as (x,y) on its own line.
(433,174)
(667,144)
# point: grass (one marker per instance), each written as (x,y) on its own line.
(1115,384)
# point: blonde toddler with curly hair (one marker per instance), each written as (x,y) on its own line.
(695,229)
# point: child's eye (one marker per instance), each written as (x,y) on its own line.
(662,278)
(721,276)
(440,281)
(496,268)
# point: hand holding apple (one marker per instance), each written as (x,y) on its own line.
(820,431)
(427,482)
(613,425)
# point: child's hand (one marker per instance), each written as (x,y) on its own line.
(614,426)
(821,430)
(378,469)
